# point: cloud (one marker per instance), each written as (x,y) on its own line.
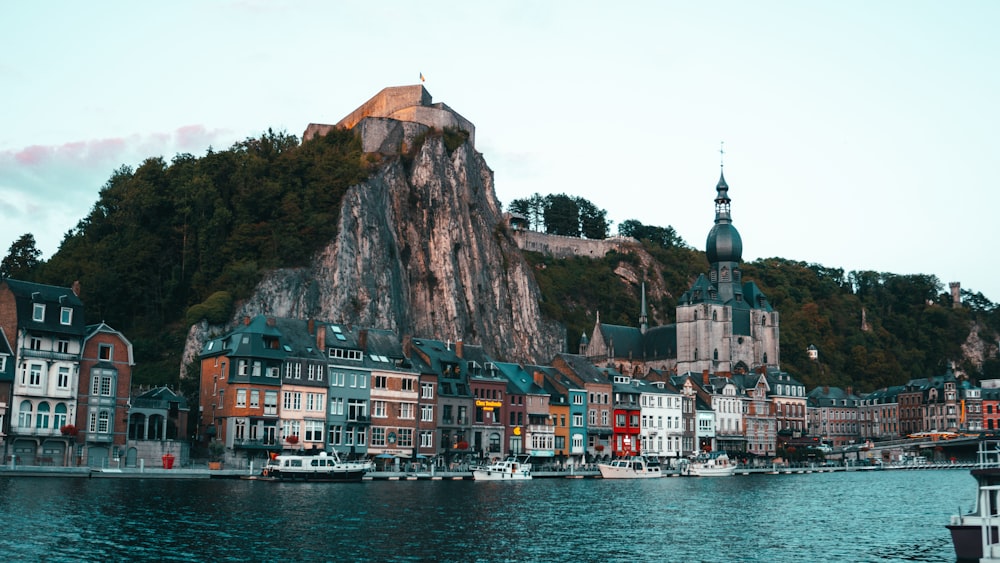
(47,189)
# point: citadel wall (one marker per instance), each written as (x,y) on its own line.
(565,247)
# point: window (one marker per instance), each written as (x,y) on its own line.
(578,399)
(378,436)
(36,343)
(270,402)
(380,382)
(405,437)
(42,420)
(314,431)
(336,405)
(66,316)
(103,420)
(63,379)
(35,374)
(378,410)
(291,400)
(59,420)
(406,410)
(427,413)
(426,439)
(24,415)
(577,419)
(356,409)
(106,386)
(254,399)
(38,313)
(407,384)
(242,367)
(426,390)
(241,398)
(336,378)
(104,352)
(336,434)
(62,346)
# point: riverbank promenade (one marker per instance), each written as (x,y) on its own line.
(248,472)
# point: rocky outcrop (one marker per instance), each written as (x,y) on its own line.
(422,250)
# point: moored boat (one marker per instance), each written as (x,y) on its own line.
(967,529)
(711,464)
(322,467)
(634,467)
(510,469)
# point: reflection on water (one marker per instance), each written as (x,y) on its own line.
(864,516)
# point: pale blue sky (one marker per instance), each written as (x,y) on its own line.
(858,134)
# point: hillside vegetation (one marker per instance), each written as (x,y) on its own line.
(170,243)
(911,331)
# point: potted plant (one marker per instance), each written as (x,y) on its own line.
(68,430)
(216,453)
(292,440)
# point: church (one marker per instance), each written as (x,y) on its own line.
(724,326)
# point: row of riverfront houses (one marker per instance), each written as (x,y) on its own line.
(274,384)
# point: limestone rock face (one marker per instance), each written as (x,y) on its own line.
(422,250)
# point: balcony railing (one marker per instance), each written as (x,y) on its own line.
(49,355)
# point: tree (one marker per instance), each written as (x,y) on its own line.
(562,216)
(21,259)
(593,221)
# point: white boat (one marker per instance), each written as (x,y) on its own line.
(967,529)
(711,464)
(322,467)
(635,467)
(510,469)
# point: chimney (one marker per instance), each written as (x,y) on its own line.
(363,339)
(458,348)
(311,326)
(321,338)
(407,345)
(76,288)
(539,378)
(704,377)
(246,320)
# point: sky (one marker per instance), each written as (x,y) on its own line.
(858,134)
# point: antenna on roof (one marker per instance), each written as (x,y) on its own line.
(722,153)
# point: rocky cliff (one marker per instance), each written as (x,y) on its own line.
(421,250)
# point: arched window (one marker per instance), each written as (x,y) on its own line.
(42,420)
(695,353)
(715,315)
(24,415)
(715,354)
(765,357)
(59,420)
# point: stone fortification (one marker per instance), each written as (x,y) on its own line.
(566,247)
(392,118)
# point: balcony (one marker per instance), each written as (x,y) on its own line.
(268,444)
(49,355)
(359,419)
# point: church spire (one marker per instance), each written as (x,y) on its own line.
(643,319)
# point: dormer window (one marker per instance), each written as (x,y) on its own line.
(38,312)
(66,316)
(104,352)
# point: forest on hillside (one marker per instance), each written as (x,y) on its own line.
(911,329)
(170,243)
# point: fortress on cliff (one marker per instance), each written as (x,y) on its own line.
(391,119)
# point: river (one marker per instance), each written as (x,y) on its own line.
(856,517)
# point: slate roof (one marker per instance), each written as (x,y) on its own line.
(26,294)
(585,371)
(162,396)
